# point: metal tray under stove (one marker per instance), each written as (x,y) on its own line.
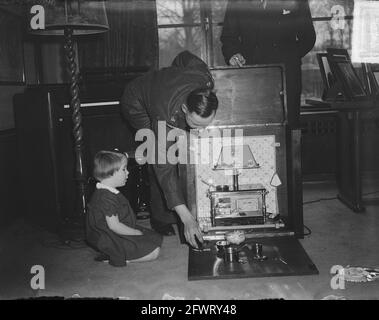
(285,256)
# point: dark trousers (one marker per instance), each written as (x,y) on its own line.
(293,86)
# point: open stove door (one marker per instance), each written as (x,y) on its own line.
(280,256)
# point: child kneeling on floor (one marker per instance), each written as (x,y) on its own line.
(111,222)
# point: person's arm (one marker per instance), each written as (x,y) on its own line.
(306,32)
(231,44)
(169,181)
(118,227)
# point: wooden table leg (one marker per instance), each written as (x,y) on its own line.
(354,201)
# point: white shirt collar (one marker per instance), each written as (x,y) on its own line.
(103,186)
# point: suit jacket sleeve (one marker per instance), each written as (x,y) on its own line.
(132,104)
(168,176)
(306,32)
(189,63)
(230,32)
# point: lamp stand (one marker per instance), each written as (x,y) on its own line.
(235,180)
(73,228)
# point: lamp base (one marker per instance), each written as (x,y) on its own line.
(72,229)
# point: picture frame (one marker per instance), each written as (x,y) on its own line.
(12,67)
(343,70)
(373,77)
(375,74)
(325,70)
(339,53)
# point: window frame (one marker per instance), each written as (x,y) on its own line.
(208,44)
(207,26)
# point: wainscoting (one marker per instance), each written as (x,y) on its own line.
(319,144)
(319,151)
(9,197)
(318,157)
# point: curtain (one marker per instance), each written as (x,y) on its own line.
(132,40)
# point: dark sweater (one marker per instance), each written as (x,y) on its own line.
(119,248)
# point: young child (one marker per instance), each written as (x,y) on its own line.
(111,222)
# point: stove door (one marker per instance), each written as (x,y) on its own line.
(279,256)
(250,95)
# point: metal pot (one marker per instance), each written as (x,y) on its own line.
(231,254)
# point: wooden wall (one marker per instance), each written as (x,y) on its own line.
(319,151)
(319,145)
(8,178)
(8,161)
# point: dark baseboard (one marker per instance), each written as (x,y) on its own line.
(319,177)
(8,133)
(370,175)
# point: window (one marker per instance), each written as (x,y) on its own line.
(196,25)
(179,28)
(332,20)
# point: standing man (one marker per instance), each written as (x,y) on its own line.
(180,95)
(270,31)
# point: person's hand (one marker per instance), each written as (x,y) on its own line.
(191,228)
(237,60)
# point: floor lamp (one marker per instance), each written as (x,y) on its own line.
(69,19)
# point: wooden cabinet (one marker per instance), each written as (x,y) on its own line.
(318,143)
(321,140)
(355,149)
(251,99)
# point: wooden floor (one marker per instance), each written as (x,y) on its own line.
(339,237)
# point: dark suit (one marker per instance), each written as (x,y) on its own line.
(279,32)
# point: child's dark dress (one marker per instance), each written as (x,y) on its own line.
(118,247)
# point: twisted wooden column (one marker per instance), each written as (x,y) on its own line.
(80,175)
